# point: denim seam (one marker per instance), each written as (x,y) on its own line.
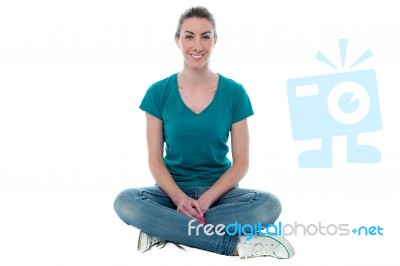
(228,205)
(152,193)
(257,195)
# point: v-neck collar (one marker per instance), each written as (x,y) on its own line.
(208,106)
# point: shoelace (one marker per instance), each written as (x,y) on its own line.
(163,243)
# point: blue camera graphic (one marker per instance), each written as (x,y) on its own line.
(344,103)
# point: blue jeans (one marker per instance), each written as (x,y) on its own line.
(151,210)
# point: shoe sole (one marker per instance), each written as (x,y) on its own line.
(285,244)
(142,242)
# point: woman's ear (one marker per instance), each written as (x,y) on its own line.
(177,41)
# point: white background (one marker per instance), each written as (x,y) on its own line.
(72,74)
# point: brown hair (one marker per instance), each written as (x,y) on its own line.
(195,12)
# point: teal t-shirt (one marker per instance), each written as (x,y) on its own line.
(196,144)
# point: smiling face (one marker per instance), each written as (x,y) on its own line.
(196,41)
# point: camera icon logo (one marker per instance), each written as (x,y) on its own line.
(325,106)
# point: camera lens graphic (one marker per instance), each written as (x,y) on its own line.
(348,102)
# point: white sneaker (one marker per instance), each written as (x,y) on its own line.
(146,242)
(274,246)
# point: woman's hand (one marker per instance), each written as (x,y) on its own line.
(191,208)
(205,202)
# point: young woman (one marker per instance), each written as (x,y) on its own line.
(196,196)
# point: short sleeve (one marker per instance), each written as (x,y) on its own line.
(242,106)
(152,101)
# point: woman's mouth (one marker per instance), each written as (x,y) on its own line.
(196,57)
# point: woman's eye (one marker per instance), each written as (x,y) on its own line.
(206,37)
(189,37)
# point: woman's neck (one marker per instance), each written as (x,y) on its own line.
(192,76)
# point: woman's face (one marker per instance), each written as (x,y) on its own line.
(196,42)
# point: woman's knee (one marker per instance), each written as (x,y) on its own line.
(125,203)
(271,206)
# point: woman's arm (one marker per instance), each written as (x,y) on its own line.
(240,165)
(155,146)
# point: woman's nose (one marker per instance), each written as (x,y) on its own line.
(197,45)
